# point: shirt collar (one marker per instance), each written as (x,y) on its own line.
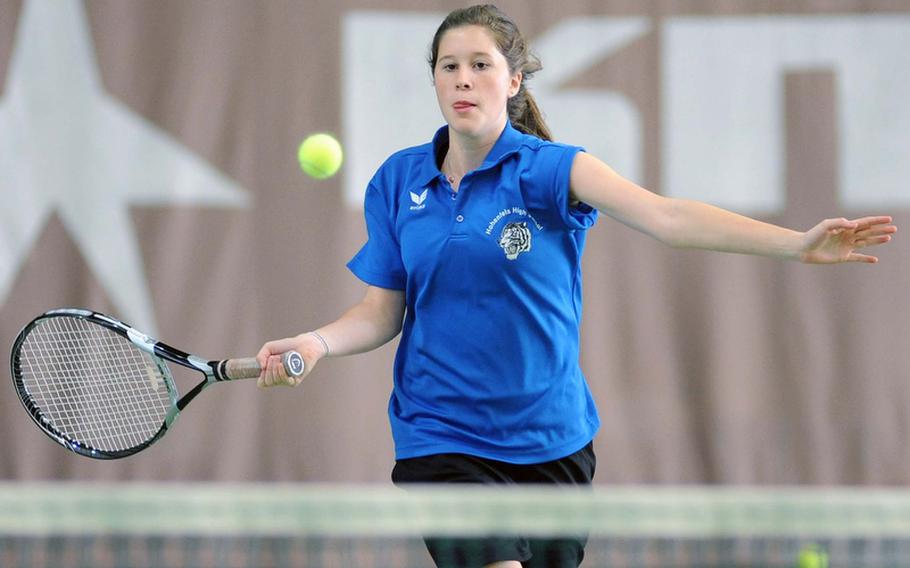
(508,143)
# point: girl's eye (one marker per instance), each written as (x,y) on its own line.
(448,67)
(481,65)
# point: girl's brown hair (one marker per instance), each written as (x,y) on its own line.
(524,114)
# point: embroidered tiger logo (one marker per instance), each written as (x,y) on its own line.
(515,239)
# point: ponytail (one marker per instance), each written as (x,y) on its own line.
(525,115)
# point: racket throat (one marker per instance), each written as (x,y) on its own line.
(189,396)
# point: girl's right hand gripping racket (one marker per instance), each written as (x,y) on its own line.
(103,389)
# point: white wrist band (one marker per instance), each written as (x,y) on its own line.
(325,346)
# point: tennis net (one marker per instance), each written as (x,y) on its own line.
(305,525)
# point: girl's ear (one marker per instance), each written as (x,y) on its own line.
(515,84)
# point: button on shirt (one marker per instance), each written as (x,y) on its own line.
(488,359)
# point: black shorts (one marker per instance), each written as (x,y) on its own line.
(575,469)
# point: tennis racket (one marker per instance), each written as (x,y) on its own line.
(103,389)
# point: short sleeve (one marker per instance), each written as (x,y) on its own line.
(378,262)
(582,215)
(549,174)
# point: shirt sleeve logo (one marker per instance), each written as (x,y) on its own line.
(515,239)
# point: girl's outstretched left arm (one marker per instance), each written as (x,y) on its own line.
(686,223)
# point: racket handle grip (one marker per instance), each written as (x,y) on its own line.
(248,368)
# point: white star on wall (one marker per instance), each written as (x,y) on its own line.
(68,147)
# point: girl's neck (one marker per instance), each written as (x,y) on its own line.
(466,153)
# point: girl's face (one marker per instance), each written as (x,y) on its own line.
(473,82)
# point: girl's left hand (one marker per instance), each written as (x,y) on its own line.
(837,240)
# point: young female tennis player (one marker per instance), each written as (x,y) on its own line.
(474,251)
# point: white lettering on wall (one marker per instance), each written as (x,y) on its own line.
(605,123)
(389,103)
(723,106)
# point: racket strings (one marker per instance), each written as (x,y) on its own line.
(93,385)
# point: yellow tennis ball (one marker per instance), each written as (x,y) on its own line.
(812,556)
(320,155)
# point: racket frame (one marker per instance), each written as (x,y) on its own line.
(214,371)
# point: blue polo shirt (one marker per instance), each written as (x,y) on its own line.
(487,364)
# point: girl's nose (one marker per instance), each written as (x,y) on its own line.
(463,81)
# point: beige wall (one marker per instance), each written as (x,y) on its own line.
(706,367)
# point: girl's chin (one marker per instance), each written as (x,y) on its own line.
(473,129)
